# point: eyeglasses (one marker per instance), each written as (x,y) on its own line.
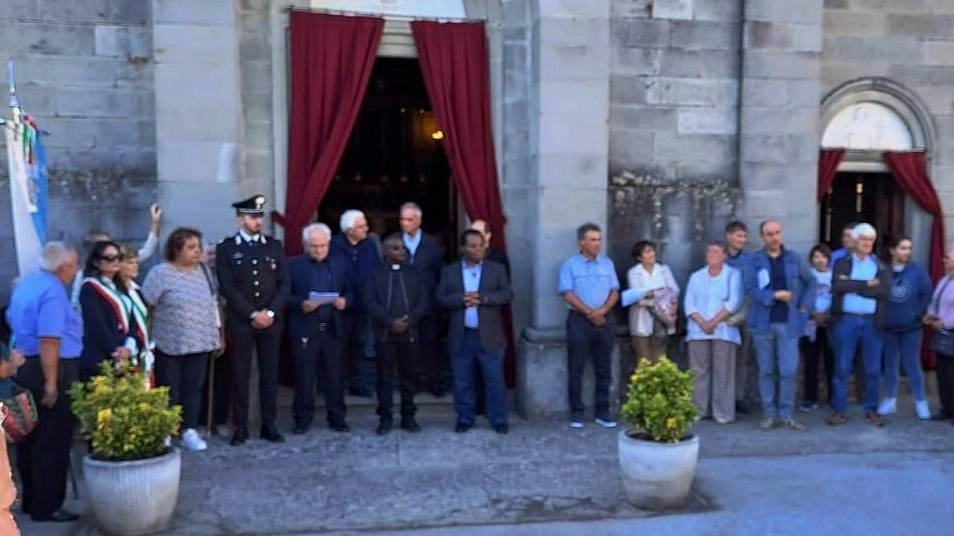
(111,258)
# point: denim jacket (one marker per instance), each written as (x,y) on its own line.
(801,283)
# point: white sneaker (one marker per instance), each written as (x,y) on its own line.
(576,423)
(888,406)
(923,410)
(192,441)
(606,423)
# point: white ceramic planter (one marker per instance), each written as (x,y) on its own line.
(657,476)
(133,498)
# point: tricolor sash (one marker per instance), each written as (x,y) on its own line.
(121,308)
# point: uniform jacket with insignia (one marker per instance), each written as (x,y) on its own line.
(252,276)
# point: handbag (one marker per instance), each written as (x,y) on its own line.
(942,342)
(21,415)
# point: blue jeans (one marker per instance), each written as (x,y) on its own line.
(851,332)
(491,366)
(777,356)
(903,348)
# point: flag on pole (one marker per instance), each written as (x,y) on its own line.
(26,159)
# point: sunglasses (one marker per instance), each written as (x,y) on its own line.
(110,258)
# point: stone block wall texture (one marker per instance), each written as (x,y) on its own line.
(85,71)
(910,42)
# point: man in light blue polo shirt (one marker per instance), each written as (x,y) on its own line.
(590,286)
(860,289)
(49,332)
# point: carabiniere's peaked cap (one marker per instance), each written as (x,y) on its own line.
(253,206)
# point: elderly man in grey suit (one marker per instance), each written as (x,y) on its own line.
(474,290)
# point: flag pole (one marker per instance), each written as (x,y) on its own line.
(14,102)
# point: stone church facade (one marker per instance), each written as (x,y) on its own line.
(658,119)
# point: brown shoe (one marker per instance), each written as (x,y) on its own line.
(837,419)
(873,419)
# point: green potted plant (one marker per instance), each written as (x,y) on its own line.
(131,474)
(657,454)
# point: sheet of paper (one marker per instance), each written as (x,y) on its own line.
(323,297)
(631,296)
(764,278)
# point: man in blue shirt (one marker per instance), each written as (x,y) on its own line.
(746,373)
(847,244)
(860,289)
(780,287)
(590,286)
(49,333)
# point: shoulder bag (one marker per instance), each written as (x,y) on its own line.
(942,342)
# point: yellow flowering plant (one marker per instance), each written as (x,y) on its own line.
(659,401)
(123,419)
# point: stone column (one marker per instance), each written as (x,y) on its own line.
(198,106)
(781,94)
(569,147)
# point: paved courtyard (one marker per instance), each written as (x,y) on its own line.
(545,479)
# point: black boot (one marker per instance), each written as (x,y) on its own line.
(409,424)
(384,427)
(240,436)
(270,433)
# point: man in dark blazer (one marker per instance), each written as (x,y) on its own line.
(396,300)
(321,290)
(424,257)
(250,267)
(474,291)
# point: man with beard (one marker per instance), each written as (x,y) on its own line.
(253,280)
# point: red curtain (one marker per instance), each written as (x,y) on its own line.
(454,63)
(910,170)
(331,60)
(828,162)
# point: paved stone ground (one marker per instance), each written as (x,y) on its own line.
(544,478)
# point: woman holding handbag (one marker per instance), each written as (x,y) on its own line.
(652,319)
(940,316)
(186,326)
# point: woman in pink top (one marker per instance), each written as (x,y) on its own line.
(940,316)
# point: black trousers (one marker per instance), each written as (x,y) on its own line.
(814,352)
(43,457)
(184,376)
(403,355)
(265,344)
(945,384)
(319,356)
(586,341)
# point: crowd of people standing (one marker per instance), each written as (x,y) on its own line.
(753,317)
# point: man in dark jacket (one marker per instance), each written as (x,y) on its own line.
(360,251)
(424,257)
(860,288)
(475,290)
(397,299)
(320,295)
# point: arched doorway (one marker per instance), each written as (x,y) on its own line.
(865,119)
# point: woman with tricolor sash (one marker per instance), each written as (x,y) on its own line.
(144,360)
(109,324)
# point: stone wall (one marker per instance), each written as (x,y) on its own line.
(910,42)
(85,71)
(674,87)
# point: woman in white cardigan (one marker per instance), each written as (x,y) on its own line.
(713,294)
(651,319)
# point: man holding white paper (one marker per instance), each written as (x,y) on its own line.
(320,291)
(781,291)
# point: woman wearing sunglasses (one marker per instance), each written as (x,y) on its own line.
(109,325)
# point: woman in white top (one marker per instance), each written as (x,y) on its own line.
(651,319)
(713,294)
